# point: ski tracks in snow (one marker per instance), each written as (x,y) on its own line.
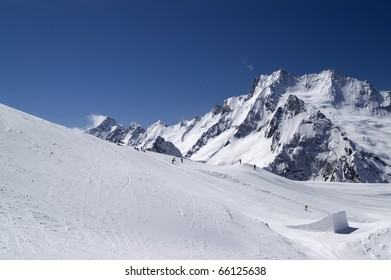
(127,185)
(257,189)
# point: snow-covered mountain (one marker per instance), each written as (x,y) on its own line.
(322,126)
(69,195)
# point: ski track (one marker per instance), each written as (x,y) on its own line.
(77,197)
(223,176)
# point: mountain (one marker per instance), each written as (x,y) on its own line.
(162,146)
(69,195)
(323,126)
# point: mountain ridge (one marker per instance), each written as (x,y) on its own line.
(336,123)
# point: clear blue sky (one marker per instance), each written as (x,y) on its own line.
(145,60)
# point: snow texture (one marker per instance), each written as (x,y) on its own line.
(334,222)
(69,195)
(340,221)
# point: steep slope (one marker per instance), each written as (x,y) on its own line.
(323,126)
(64,194)
(68,195)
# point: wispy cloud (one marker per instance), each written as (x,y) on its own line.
(92,121)
(95,120)
(248,65)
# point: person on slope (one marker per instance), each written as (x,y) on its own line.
(173,160)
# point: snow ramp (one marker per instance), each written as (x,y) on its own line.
(335,222)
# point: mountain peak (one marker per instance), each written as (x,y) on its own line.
(333,74)
(280,73)
(280,76)
(294,125)
(159,123)
(108,121)
(104,128)
(134,125)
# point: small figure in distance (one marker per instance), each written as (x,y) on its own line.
(255,167)
(173,160)
(305,207)
(181,160)
(240,161)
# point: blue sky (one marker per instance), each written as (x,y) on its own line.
(146,60)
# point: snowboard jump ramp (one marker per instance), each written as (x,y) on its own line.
(334,222)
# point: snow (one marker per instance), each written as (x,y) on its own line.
(340,221)
(334,222)
(68,195)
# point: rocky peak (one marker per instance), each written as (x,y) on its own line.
(294,105)
(104,128)
(159,123)
(160,145)
(134,126)
(108,122)
(218,109)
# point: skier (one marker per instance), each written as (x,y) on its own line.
(240,161)
(181,160)
(173,160)
(255,167)
(305,207)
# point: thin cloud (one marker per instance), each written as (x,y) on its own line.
(93,121)
(247,65)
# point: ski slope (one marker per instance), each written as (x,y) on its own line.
(68,195)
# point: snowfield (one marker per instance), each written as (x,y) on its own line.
(68,195)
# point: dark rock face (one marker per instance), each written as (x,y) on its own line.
(165,147)
(212,132)
(250,124)
(294,105)
(274,123)
(218,109)
(308,156)
(104,129)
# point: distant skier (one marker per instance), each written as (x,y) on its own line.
(173,160)
(255,167)
(181,160)
(240,161)
(305,207)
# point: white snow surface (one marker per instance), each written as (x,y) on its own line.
(68,195)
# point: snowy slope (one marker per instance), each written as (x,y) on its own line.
(322,127)
(68,195)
